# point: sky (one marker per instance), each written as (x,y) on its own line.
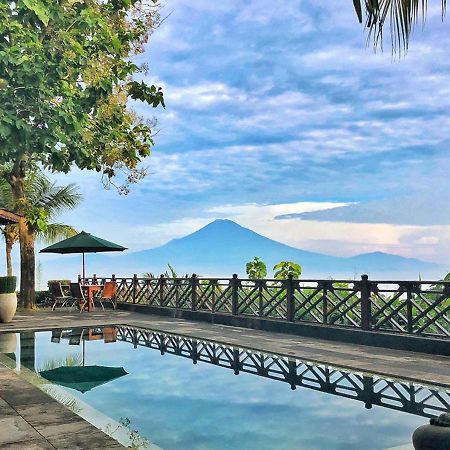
(280,117)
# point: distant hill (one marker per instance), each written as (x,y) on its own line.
(222,248)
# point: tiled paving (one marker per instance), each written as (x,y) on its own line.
(30,419)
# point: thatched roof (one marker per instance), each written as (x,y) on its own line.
(7,217)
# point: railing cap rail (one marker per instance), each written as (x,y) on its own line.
(275,280)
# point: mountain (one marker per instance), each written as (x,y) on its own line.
(222,248)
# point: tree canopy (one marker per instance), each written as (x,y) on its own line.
(65,79)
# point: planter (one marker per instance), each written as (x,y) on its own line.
(435,436)
(8,306)
(8,342)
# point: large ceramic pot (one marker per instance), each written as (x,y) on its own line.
(8,306)
(8,342)
(435,436)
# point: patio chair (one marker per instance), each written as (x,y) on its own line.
(77,293)
(109,294)
(76,337)
(58,296)
(109,334)
(56,336)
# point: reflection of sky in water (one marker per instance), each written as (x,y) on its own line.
(179,405)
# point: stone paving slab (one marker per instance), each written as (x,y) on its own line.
(31,419)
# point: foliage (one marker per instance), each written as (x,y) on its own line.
(284,269)
(402,16)
(44,201)
(8,285)
(66,73)
(136,441)
(169,273)
(256,269)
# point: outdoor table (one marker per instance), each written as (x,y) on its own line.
(90,289)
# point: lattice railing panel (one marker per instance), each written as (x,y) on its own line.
(419,307)
(389,309)
(124,289)
(248,298)
(308,302)
(412,307)
(273,299)
(223,296)
(343,304)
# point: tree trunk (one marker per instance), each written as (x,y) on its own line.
(9,270)
(27,266)
(11,235)
(26,237)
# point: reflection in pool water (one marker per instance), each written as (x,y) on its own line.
(275,402)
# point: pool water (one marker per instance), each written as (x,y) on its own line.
(180,393)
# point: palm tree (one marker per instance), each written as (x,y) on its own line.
(402,16)
(45,201)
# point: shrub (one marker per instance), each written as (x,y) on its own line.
(8,285)
(256,269)
(50,282)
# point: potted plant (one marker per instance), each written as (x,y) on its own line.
(8,298)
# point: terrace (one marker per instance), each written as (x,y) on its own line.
(417,384)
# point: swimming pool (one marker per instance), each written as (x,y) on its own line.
(159,390)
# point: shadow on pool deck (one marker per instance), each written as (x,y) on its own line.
(418,367)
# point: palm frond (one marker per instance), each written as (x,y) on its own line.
(52,198)
(6,197)
(402,16)
(55,232)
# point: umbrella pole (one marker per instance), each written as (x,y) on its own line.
(84,271)
(84,350)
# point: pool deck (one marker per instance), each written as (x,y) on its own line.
(32,420)
(417,367)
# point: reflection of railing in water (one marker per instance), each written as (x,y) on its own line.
(369,389)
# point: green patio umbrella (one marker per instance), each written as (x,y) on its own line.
(83,378)
(83,243)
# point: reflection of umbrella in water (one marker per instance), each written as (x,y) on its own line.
(83,243)
(83,378)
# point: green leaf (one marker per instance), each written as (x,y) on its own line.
(40,224)
(39,9)
(357,5)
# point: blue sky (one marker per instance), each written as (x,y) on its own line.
(278,108)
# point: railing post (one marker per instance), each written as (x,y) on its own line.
(194,291)
(325,303)
(94,279)
(234,294)
(161,290)
(290,307)
(213,284)
(259,284)
(366,312)
(134,287)
(176,286)
(79,279)
(367,393)
(236,361)
(409,308)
